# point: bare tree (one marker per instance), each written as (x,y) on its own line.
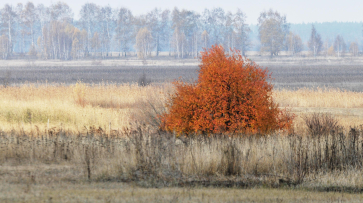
(190,32)
(153,23)
(294,43)
(165,30)
(75,48)
(76,44)
(178,38)
(273,28)
(339,45)
(58,40)
(353,48)
(44,18)
(4,46)
(229,35)
(106,21)
(30,18)
(214,23)
(315,43)
(8,17)
(89,16)
(205,39)
(327,45)
(125,29)
(95,42)
(61,12)
(21,28)
(144,42)
(187,31)
(242,31)
(158,23)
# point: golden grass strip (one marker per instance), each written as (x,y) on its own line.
(104,104)
(77,107)
(320,97)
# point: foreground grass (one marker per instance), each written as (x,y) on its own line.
(325,162)
(122,192)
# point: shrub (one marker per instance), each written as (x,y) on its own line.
(319,124)
(143,81)
(230,95)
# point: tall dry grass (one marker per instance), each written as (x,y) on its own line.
(114,107)
(158,159)
(77,107)
(345,106)
(320,97)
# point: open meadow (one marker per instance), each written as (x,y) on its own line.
(91,134)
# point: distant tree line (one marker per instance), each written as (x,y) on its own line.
(52,33)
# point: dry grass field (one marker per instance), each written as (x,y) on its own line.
(98,143)
(78,107)
(345,106)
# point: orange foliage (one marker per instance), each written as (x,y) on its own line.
(231,95)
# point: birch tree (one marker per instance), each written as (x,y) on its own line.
(214,23)
(177,34)
(165,30)
(95,42)
(30,19)
(106,21)
(153,23)
(315,43)
(273,28)
(44,16)
(339,45)
(294,43)
(89,14)
(205,39)
(354,48)
(143,43)
(20,28)
(242,31)
(229,38)
(4,46)
(125,30)
(61,12)
(8,17)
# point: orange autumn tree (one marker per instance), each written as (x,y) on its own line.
(230,95)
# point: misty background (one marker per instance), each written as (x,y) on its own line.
(72,30)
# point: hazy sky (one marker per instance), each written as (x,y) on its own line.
(296,11)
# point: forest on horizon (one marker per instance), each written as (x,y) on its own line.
(53,33)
